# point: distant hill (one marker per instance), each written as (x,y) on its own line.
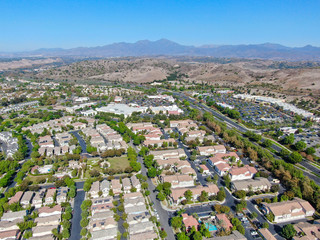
(168,48)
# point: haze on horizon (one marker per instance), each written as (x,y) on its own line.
(34,24)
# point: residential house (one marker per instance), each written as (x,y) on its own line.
(135,209)
(62,195)
(105,187)
(149,235)
(26,198)
(9,225)
(46,141)
(63,138)
(39,231)
(12,216)
(135,182)
(222,168)
(102,200)
(165,154)
(189,222)
(257,184)
(104,207)
(94,190)
(49,220)
(307,231)
(47,211)
(178,181)
(96,225)
(130,202)
(138,218)
(116,186)
(9,235)
(206,150)
(37,199)
(126,184)
(204,168)
(289,210)
(220,149)
(106,234)
(224,221)
(140,227)
(266,234)
(177,194)
(102,215)
(49,199)
(16,198)
(242,173)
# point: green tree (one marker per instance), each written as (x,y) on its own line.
(310,150)
(176,222)
(161,196)
(203,196)
(265,225)
(240,194)
(289,139)
(300,145)
(182,236)
(241,229)
(152,172)
(196,236)
(267,143)
(288,231)
(254,215)
(188,195)
(163,234)
(221,195)
(295,157)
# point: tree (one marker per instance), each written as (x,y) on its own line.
(310,150)
(152,172)
(265,225)
(65,233)
(289,139)
(182,236)
(161,196)
(188,195)
(227,180)
(203,196)
(240,194)
(83,232)
(196,236)
(295,157)
(241,229)
(176,222)
(300,145)
(267,143)
(163,234)
(221,195)
(288,231)
(254,215)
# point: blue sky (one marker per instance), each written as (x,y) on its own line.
(33,24)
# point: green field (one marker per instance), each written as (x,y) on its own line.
(119,162)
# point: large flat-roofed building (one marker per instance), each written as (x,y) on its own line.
(119,108)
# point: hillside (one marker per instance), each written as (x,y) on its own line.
(164,47)
(293,80)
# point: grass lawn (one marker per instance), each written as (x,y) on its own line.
(119,162)
(34,179)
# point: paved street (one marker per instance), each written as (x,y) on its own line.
(163,214)
(75,222)
(82,143)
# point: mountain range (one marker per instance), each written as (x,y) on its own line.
(164,47)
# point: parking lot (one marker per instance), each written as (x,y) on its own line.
(253,112)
